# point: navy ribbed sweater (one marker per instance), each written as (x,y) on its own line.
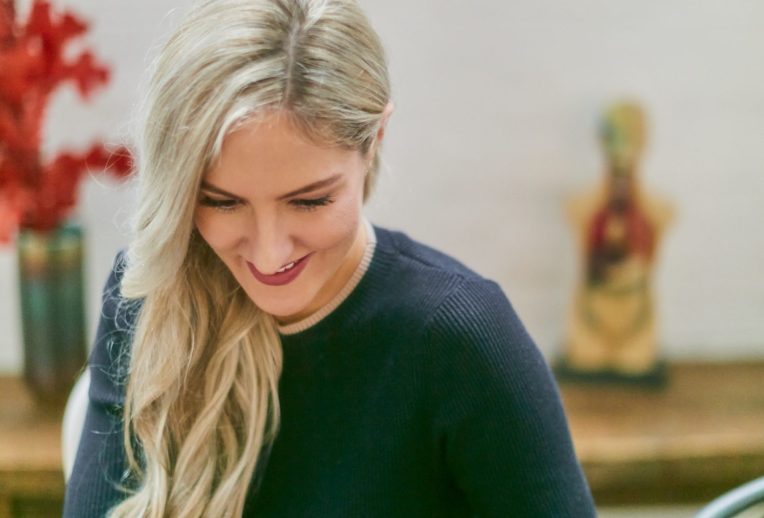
(421,395)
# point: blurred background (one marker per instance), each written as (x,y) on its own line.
(497,110)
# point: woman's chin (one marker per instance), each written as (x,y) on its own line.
(283,313)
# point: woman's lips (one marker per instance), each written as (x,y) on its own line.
(279,279)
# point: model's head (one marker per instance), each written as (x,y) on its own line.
(315,64)
(623,133)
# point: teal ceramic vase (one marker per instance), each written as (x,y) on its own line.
(51,286)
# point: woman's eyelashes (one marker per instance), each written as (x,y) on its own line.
(222,205)
(229,204)
(312,204)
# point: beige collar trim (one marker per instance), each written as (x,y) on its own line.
(315,318)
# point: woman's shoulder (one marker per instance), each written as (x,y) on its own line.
(414,254)
(476,326)
(116,310)
(109,357)
(438,281)
(457,303)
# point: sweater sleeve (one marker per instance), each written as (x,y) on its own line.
(100,463)
(497,414)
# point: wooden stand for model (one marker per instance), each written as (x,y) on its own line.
(611,326)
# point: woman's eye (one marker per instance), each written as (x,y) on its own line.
(312,204)
(221,205)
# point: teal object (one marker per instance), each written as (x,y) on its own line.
(51,285)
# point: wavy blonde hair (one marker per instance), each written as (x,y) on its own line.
(201,400)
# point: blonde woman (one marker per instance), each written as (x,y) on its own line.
(263,349)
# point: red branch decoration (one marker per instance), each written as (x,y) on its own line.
(38,194)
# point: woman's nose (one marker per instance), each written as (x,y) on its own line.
(269,244)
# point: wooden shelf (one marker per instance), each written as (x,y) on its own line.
(31,481)
(696,438)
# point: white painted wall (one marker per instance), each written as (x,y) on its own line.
(497,104)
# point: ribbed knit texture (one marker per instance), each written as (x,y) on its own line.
(420,395)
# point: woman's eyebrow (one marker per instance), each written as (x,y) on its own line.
(312,186)
(217,190)
(302,190)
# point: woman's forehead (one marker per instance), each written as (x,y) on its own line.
(271,152)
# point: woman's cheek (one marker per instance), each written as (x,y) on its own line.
(214,230)
(343,222)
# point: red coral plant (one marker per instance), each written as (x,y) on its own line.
(38,193)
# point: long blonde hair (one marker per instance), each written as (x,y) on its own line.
(201,400)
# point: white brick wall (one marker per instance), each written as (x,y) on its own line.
(497,103)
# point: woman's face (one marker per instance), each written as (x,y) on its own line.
(284,215)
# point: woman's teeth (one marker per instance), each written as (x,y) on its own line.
(285,268)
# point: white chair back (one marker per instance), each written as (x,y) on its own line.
(73,423)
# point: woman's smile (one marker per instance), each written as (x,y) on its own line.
(284,275)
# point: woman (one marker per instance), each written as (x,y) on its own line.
(266,351)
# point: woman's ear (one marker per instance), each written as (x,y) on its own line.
(383,123)
(372,152)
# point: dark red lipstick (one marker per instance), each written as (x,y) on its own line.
(285,277)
